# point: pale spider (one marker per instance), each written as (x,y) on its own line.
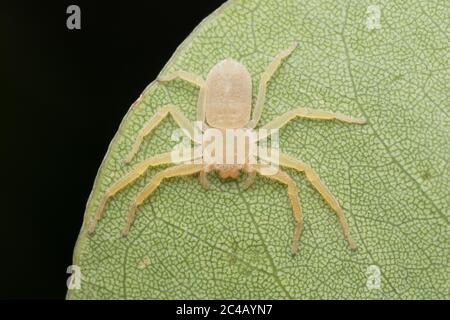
(225,101)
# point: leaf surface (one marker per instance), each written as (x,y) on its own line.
(391,176)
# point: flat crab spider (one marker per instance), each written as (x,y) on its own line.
(225,102)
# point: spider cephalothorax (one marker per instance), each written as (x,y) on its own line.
(225,102)
(228,171)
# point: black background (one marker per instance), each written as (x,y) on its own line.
(63,94)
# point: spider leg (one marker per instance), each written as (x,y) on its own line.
(195,80)
(284,178)
(265,77)
(183,75)
(138,170)
(177,115)
(283,119)
(312,176)
(176,171)
(251,175)
(203,177)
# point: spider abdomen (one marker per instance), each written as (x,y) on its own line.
(228,97)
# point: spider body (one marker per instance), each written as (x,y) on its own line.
(224,104)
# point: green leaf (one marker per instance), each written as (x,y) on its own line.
(391,175)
